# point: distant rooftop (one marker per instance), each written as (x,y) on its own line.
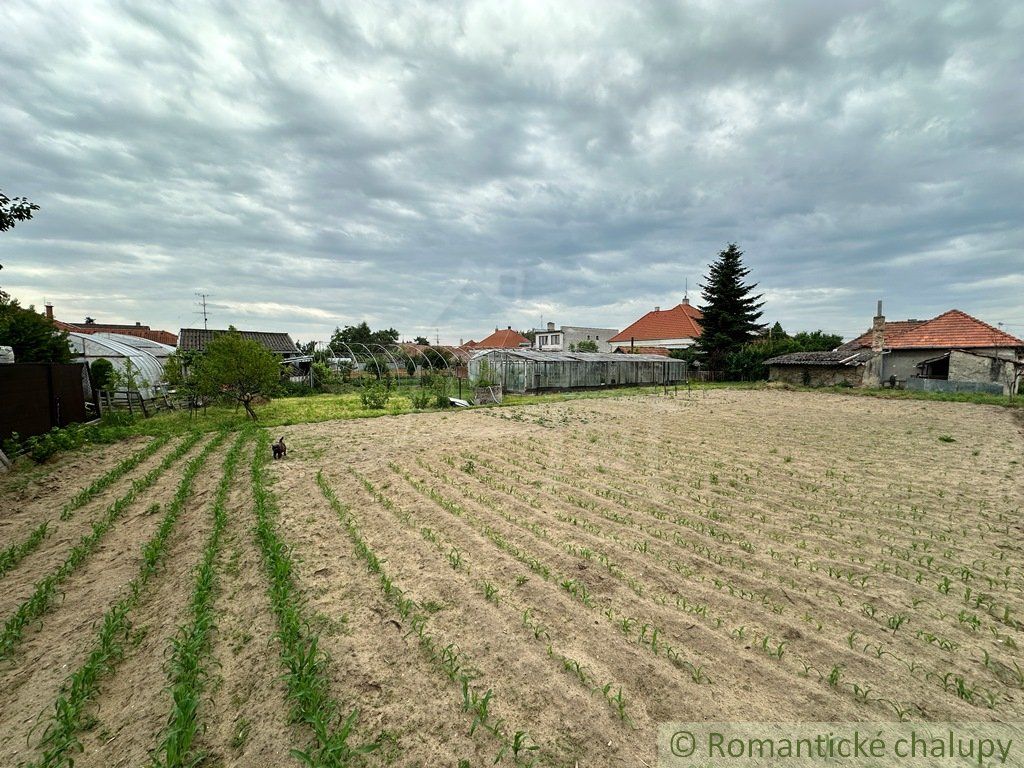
(196,339)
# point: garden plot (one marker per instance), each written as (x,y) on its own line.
(605,565)
(534,585)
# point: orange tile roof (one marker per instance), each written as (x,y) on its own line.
(954,330)
(680,322)
(892,330)
(142,331)
(506,339)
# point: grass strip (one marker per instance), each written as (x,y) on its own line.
(60,739)
(306,665)
(190,648)
(42,597)
(449,659)
(14,554)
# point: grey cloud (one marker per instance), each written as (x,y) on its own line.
(472,165)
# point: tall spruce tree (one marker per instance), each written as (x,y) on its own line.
(731,313)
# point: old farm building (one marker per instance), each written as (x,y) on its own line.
(953,352)
(532,370)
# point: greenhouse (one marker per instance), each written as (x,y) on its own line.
(531,370)
(147,367)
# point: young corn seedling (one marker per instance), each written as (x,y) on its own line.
(60,738)
(306,676)
(191,646)
(490,592)
(15,553)
(447,659)
(42,597)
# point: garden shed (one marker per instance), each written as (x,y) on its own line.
(532,370)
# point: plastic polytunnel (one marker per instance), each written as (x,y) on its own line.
(148,367)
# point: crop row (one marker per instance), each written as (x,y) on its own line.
(648,635)
(953,683)
(476,702)
(60,738)
(571,586)
(14,554)
(188,666)
(456,558)
(42,596)
(960,687)
(305,664)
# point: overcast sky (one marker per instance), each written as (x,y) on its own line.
(462,166)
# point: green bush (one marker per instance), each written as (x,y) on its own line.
(102,371)
(374,395)
(440,391)
(114,426)
(421,398)
(288,388)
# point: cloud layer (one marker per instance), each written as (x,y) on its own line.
(461,166)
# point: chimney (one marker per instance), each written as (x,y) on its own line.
(551,327)
(510,328)
(878,330)
(49,311)
(686,300)
(657,309)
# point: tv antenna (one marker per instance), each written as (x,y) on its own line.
(202,303)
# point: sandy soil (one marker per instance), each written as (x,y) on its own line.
(58,644)
(33,493)
(64,534)
(731,555)
(842,528)
(247,716)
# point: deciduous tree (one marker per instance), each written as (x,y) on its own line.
(237,369)
(33,336)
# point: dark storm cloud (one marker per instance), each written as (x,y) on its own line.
(465,166)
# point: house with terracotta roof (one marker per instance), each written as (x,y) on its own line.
(675,328)
(90,326)
(953,352)
(503,339)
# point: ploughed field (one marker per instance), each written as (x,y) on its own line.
(539,585)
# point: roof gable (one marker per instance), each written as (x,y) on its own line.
(680,322)
(504,339)
(953,329)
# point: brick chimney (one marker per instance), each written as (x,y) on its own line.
(686,301)
(49,311)
(657,309)
(551,327)
(878,330)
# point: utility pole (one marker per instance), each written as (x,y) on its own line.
(202,302)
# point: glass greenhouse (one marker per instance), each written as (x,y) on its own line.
(531,370)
